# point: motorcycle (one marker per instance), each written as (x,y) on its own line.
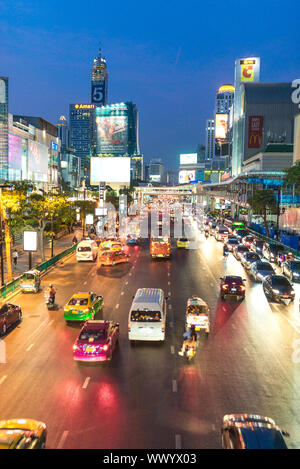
(225,253)
(206,234)
(50,302)
(189,352)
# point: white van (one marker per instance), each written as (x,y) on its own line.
(86,250)
(147,316)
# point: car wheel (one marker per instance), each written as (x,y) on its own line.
(4,328)
(20,317)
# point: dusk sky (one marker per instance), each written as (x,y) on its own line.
(168,57)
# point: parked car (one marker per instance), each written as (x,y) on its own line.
(247,258)
(292,270)
(271,250)
(278,288)
(257,246)
(9,315)
(261,269)
(247,431)
(232,285)
(239,250)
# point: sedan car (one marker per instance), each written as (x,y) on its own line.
(240,233)
(182,243)
(247,258)
(292,270)
(232,285)
(278,288)
(22,434)
(113,258)
(261,269)
(231,243)
(239,250)
(248,240)
(97,341)
(246,431)
(257,246)
(132,240)
(9,315)
(83,306)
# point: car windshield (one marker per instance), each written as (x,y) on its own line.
(242,248)
(198,309)
(94,334)
(264,266)
(183,239)
(241,232)
(295,266)
(259,244)
(84,249)
(78,302)
(29,277)
(280,281)
(145,316)
(251,255)
(237,280)
(233,241)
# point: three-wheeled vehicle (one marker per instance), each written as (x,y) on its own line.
(197,313)
(31,281)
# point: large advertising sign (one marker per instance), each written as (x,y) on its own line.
(188,158)
(110,169)
(98,93)
(255,131)
(112,134)
(14,152)
(186,176)
(221,126)
(247,70)
(37,161)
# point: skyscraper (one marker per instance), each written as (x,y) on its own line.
(63,131)
(3,128)
(81,133)
(210,140)
(99,79)
(224,99)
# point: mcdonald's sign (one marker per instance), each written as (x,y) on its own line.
(255,131)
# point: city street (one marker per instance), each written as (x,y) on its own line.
(148,396)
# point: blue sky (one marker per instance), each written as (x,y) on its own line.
(168,57)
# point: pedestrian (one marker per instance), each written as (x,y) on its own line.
(15,256)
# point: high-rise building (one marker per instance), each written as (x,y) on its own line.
(224,99)
(210,140)
(81,134)
(99,81)
(63,132)
(156,171)
(4,128)
(247,70)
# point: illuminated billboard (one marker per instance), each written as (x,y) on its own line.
(188,158)
(37,162)
(186,176)
(221,126)
(255,131)
(112,129)
(110,169)
(14,152)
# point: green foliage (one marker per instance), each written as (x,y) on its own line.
(292,175)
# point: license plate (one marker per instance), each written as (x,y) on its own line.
(197,328)
(233,289)
(75,312)
(160,255)
(89,349)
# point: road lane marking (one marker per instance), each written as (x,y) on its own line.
(169,293)
(178,441)
(170,306)
(35,331)
(3,379)
(62,439)
(172,349)
(29,348)
(174,385)
(51,322)
(86,382)
(117,306)
(169,283)
(84,283)
(126,283)
(122,293)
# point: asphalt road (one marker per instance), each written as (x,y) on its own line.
(147,396)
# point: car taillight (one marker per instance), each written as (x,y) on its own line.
(225,286)
(242,288)
(105,347)
(129,326)
(163,328)
(75,347)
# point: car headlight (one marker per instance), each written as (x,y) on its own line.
(259,276)
(275,291)
(296,274)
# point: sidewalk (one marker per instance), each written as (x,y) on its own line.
(23,259)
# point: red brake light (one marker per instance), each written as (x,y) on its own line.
(75,347)
(105,347)
(225,286)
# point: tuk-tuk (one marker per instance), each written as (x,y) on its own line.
(197,313)
(31,281)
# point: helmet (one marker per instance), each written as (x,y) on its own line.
(50,285)
(193,327)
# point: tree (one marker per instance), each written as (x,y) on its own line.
(292,174)
(260,202)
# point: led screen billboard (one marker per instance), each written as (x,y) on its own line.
(188,158)
(112,134)
(110,169)
(221,125)
(37,161)
(186,176)
(14,152)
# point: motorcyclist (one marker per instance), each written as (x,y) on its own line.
(225,250)
(206,232)
(74,240)
(51,293)
(190,339)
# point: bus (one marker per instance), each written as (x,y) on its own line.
(160,247)
(234,224)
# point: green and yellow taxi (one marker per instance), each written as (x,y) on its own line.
(182,243)
(83,306)
(22,434)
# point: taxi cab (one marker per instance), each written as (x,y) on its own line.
(113,258)
(197,314)
(22,434)
(182,243)
(97,341)
(83,306)
(116,246)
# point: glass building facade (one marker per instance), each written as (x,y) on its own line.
(4,128)
(81,133)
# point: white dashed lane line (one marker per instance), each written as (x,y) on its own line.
(3,379)
(117,306)
(29,348)
(174,385)
(178,441)
(86,382)
(62,439)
